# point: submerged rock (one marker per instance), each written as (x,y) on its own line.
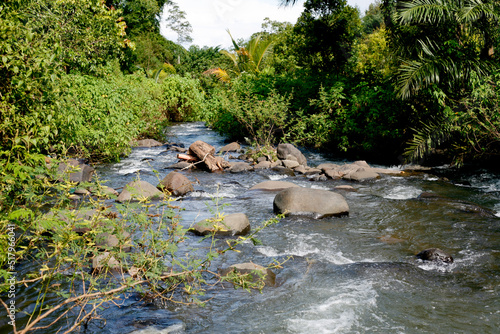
(436,255)
(316,202)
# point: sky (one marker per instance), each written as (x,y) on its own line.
(211,18)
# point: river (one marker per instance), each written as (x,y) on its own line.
(355,274)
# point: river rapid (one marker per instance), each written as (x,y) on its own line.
(355,274)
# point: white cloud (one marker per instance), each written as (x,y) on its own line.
(210,19)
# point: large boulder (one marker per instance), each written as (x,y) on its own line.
(283,150)
(316,202)
(259,273)
(176,183)
(136,190)
(274,185)
(232,224)
(435,255)
(75,171)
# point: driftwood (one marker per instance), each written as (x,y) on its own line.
(187,157)
(205,153)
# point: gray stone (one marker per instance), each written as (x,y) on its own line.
(290,163)
(181,165)
(176,183)
(315,202)
(75,171)
(136,190)
(239,167)
(333,173)
(435,255)
(259,273)
(361,174)
(285,149)
(233,147)
(300,169)
(263,165)
(232,224)
(283,170)
(312,171)
(274,185)
(326,166)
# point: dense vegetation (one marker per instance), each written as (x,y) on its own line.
(406,81)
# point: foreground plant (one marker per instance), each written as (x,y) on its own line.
(81,260)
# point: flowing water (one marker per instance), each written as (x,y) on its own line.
(356,274)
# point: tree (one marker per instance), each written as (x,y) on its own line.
(327,30)
(441,42)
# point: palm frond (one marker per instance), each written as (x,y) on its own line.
(429,137)
(476,9)
(222,75)
(258,49)
(416,74)
(423,11)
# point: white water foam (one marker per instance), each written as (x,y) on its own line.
(302,245)
(403,192)
(277,177)
(342,311)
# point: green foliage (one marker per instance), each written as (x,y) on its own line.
(371,55)
(442,43)
(153,50)
(327,30)
(183,97)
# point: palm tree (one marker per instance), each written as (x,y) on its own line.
(249,58)
(442,42)
(246,59)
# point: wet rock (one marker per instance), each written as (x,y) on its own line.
(316,202)
(274,185)
(262,159)
(239,167)
(146,143)
(283,150)
(312,171)
(361,174)
(317,177)
(135,190)
(345,188)
(178,149)
(74,171)
(283,170)
(333,174)
(176,183)
(232,224)
(263,165)
(326,166)
(232,147)
(436,255)
(181,165)
(300,169)
(290,163)
(259,273)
